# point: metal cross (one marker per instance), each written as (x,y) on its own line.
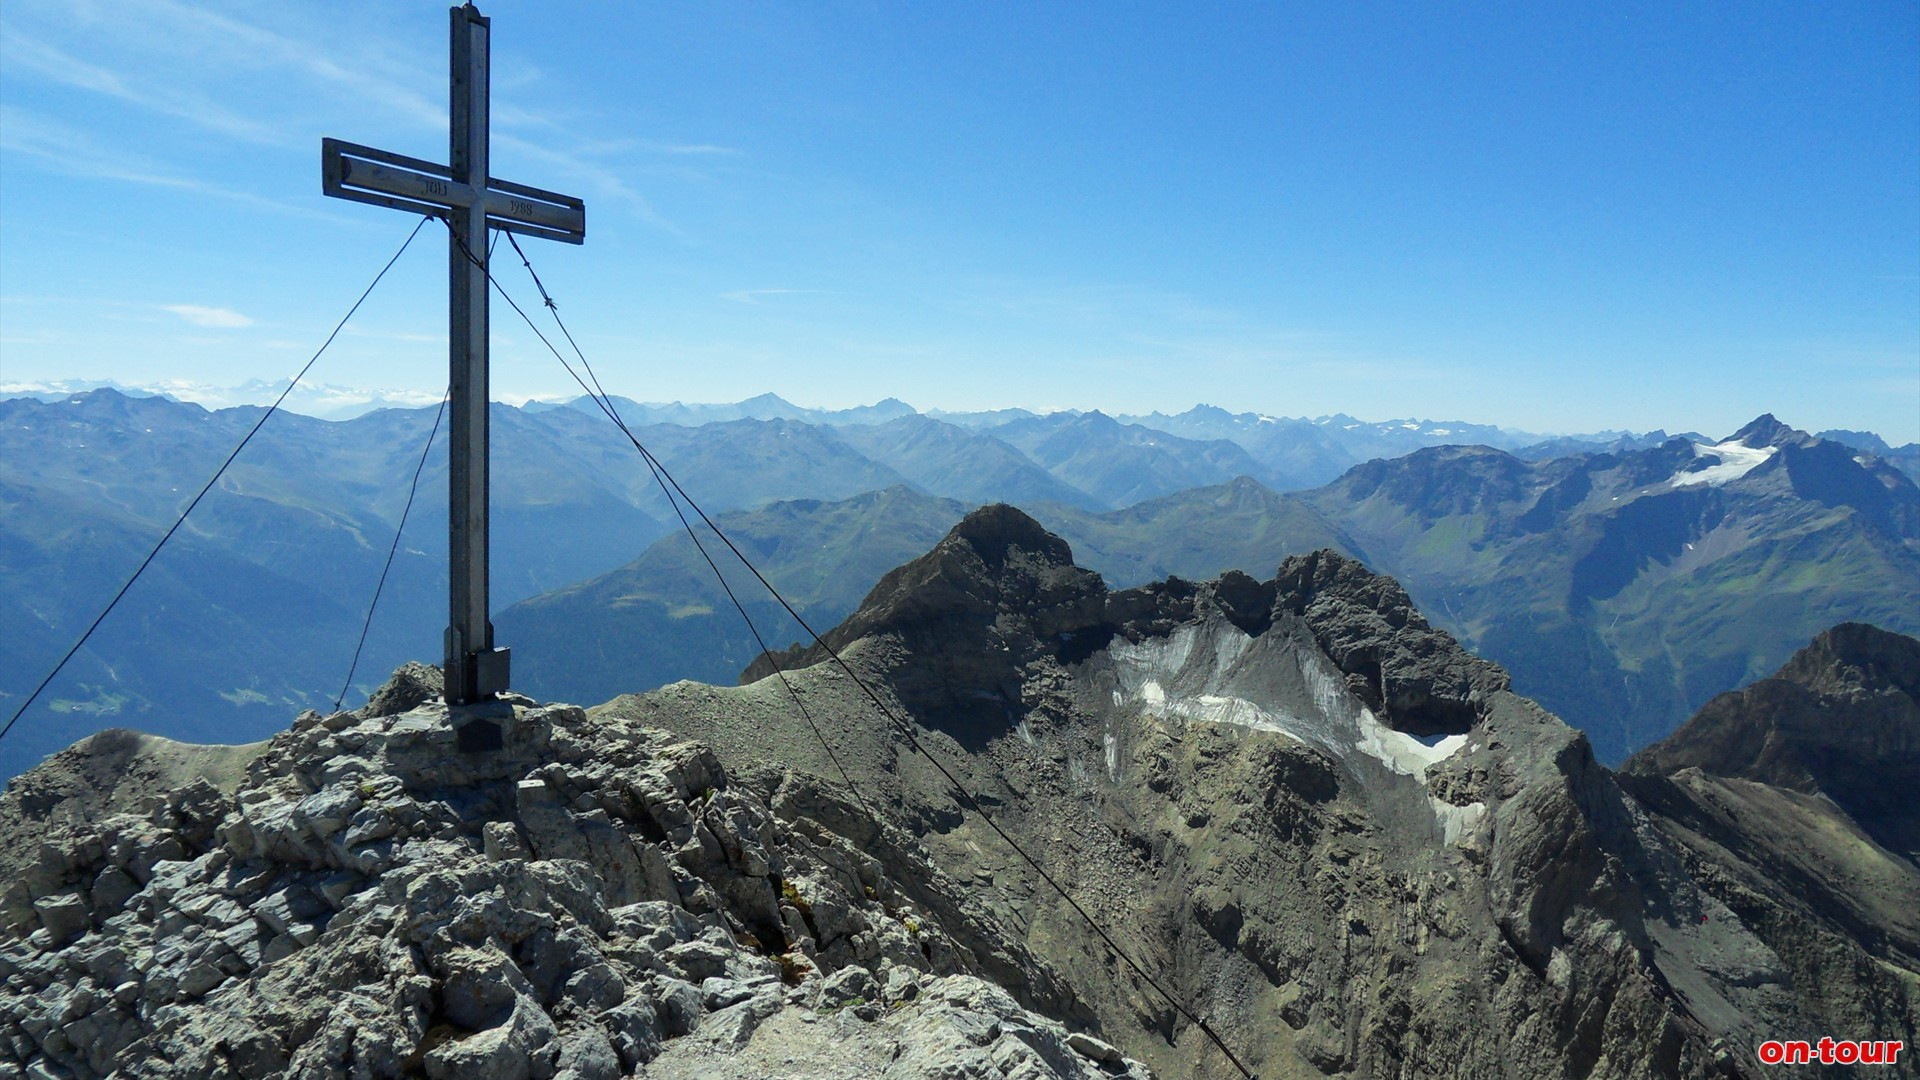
(471,201)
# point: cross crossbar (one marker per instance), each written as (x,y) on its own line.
(363,174)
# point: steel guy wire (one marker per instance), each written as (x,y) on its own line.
(606,406)
(905,729)
(412,490)
(221,471)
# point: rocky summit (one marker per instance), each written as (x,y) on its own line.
(595,899)
(1307,815)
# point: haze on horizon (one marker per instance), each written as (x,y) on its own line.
(1642,217)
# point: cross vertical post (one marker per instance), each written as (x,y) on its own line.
(474,670)
(464,194)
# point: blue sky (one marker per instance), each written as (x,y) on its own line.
(1555,217)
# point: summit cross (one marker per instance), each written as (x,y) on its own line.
(467,197)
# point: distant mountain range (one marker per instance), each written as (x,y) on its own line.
(1623,587)
(1622,590)
(254,607)
(1292,452)
(318,400)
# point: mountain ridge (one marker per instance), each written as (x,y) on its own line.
(1840,721)
(1623,588)
(1325,824)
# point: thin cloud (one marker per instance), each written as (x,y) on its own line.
(245,44)
(692,148)
(167,66)
(168,99)
(218,318)
(23,52)
(609,182)
(75,154)
(752,296)
(195,66)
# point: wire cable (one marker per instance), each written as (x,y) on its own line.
(412,490)
(221,471)
(605,403)
(900,725)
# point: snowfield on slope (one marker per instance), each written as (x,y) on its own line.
(1736,461)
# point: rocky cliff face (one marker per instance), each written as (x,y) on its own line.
(1792,802)
(1317,821)
(1840,720)
(1340,835)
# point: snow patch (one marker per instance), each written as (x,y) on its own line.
(1173,678)
(1736,461)
(1400,751)
(1218,709)
(1457,821)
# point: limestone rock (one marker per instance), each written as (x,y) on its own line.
(410,687)
(568,906)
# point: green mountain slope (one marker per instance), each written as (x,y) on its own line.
(1194,534)
(662,617)
(949,461)
(1622,589)
(252,611)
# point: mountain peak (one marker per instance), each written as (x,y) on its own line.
(1840,719)
(1855,658)
(1764,430)
(1204,411)
(994,532)
(768,399)
(1419,679)
(996,592)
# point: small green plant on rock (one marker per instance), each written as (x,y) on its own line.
(792,896)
